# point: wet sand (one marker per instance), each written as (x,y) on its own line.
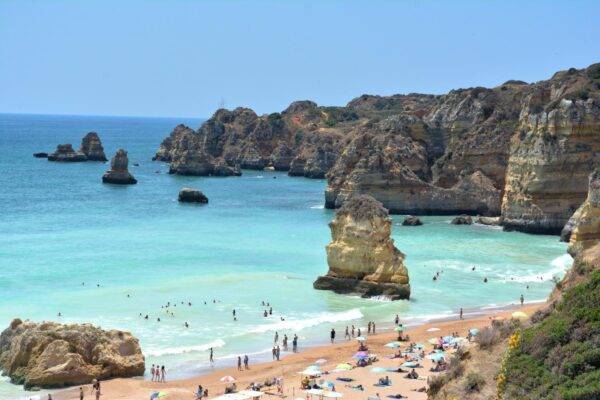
(289,366)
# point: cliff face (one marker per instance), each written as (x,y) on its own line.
(50,355)
(92,147)
(361,256)
(553,151)
(522,151)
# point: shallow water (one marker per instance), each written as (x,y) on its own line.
(261,237)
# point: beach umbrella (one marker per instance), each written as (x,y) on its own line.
(361,355)
(410,364)
(344,367)
(321,361)
(317,392)
(329,384)
(419,346)
(399,329)
(519,315)
(378,370)
(448,339)
(436,356)
(157,395)
(393,345)
(333,395)
(227,379)
(474,331)
(361,338)
(311,372)
(433,329)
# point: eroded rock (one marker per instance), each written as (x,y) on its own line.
(65,153)
(118,172)
(91,146)
(188,195)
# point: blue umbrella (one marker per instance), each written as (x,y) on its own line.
(436,356)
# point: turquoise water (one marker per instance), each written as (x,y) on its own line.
(261,237)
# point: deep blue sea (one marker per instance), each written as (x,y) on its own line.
(106,254)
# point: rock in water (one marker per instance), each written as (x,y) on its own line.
(462,220)
(362,257)
(188,195)
(40,155)
(50,354)
(92,147)
(65,153)
(411,220)
(118,172)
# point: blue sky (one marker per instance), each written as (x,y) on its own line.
(183,58)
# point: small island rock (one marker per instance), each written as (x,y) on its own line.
(50,355)
(362,257)
(118,172)
(92,147)
(462,220)
(65,153)
(188,195)
(411,220)
(40,155)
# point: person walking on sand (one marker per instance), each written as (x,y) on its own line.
(276,338)
(347,334)
(162,374)
(373,327)
(285,342)
(210,357)
(295,343)
(277,352)
(239,363)
(273,351)
(81,393)
(461,313)
(246,361)
(332,335)
(98,394)
(369,327)
(352,330)
(152,373)
(522,299)
(358,331)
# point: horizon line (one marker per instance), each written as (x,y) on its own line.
(98,115)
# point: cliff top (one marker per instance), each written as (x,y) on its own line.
(363,207)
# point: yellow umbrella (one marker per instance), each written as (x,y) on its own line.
(519,315)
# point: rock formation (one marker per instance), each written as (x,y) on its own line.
(92,147)
(411,220)
(118,172)
(65,153)
(462,220)
(520,151)
(491,221)
(586,227)
(188,195)
(49,355)
(40,155)
(361,256)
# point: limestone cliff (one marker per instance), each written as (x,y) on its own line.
(91,146)
(361,256)
(50,355)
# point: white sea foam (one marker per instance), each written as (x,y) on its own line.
(559,266)
(317,207)
(296,324)
(185,349)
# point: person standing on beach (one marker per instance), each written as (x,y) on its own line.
(397,320)
(522,299)
(295,343)
(210,357)
(152,372)
(162,374)
(369,327)
(246,361)
(277,352)
(239,363)
(373,327)
(359,331)
(276,338)
(461,313)
(352,330)
(285,342)
(81,393)
(347,335)
(273,351)
(332,335)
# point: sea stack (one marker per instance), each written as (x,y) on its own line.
(118,172)
(50,355)
(362,257)
(188,195)
(65,153)
(92,147)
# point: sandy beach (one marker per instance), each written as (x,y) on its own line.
(290,365)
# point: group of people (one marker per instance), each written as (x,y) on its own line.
(95,391)
(158,373)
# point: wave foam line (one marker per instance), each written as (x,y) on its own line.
(185,349)
(559,266)
(297,325)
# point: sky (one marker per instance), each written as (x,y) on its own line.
(188,58)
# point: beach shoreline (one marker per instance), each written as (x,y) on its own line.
(288,366)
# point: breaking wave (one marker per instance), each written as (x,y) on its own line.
(297,325)
(185,349)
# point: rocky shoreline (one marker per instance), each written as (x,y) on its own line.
(518,151)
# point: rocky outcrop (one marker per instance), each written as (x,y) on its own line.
(462,220)
(49,355)
(92,147)
(65,153)
(490,221)
(188,195)
(40,155)
(586,227)
(411,220)
(118,172)
(361,256)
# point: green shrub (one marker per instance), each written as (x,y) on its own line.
(474,382)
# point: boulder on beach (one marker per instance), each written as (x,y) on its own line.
(40,155)
(92,147)
(50,355)
(118,172)
(188,195)
(362,257)
(462,220)
(65,153)
(491,221)
(411,220)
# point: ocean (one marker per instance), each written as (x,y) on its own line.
(107,254)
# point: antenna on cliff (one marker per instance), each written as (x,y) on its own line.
(222,103)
